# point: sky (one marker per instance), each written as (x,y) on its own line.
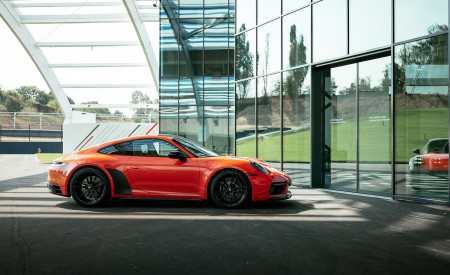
(16,67)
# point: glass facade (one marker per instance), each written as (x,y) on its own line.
(197,73)
(350,95)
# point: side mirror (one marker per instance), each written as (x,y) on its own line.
(178,155)
(416,151)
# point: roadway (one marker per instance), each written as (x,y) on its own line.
(316,232)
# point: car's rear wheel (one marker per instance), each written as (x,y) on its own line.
(89,187)
(230,189)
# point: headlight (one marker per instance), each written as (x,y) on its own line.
(59,164)
(259,167)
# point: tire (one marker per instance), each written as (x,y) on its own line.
(230,189)
(89,187)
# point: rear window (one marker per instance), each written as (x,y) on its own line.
(124,149)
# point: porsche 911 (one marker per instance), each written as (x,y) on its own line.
(164,167)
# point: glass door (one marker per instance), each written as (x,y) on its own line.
(374,126)
(356,106)
(340,113)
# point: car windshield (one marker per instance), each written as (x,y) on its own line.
(437,146)
(195,149)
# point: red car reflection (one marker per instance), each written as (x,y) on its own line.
(163,167)
(432,159)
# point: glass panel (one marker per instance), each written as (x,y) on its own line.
(269,53)
(245,14)
(297,38)
(216,38)
(186,92)
(329,29)
(168,120)
(216,91)
(374,126)
(191,8)
(414,18)
(216,129)
(421,118)
(340,127)
(190,123)
(269,119)
(370,24)
(268,9)
(296,125)
(231,131)
(289,5)
(246,118)
(168,50)
(168,94)
(218,8)
(246,55)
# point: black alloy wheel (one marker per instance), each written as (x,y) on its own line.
(89,187)
(230,189)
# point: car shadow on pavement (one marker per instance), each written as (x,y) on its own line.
(123,206)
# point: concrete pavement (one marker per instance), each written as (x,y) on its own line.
(316,232)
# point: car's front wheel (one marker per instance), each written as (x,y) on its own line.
(89,187)
(230,189)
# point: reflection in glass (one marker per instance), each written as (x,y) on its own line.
(269,54)
(246,118)
(370,24)
(297,38)
(340,127)
(267,10)
(168,121)
(421,118)
(245,54)
(374,126)
(190,123)
(297,125)
(196,73)
(216,129)
(168,95)
(168,50)
(329,29)
(290,5)
(269,119)
(414,18)
(245,14)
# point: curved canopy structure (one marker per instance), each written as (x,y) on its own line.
(96,52)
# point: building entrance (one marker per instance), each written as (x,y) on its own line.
(357,127)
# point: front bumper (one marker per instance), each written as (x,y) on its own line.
(54,189)
(286,196)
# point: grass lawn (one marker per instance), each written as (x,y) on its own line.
(413,128)
(47,157)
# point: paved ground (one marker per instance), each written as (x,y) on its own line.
(316,232)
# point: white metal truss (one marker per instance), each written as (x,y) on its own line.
(134,12)
(27,40)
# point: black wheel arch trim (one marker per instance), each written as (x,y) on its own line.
(121,185)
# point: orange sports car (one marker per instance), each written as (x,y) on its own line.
(163,167)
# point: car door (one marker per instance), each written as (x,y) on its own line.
(153,173)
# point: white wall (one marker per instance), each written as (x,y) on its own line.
(79,136)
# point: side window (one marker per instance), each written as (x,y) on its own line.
(152,148)
(124,149)
(164,148)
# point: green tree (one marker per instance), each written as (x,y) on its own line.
(13,101)
(244,63)
(297,56)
